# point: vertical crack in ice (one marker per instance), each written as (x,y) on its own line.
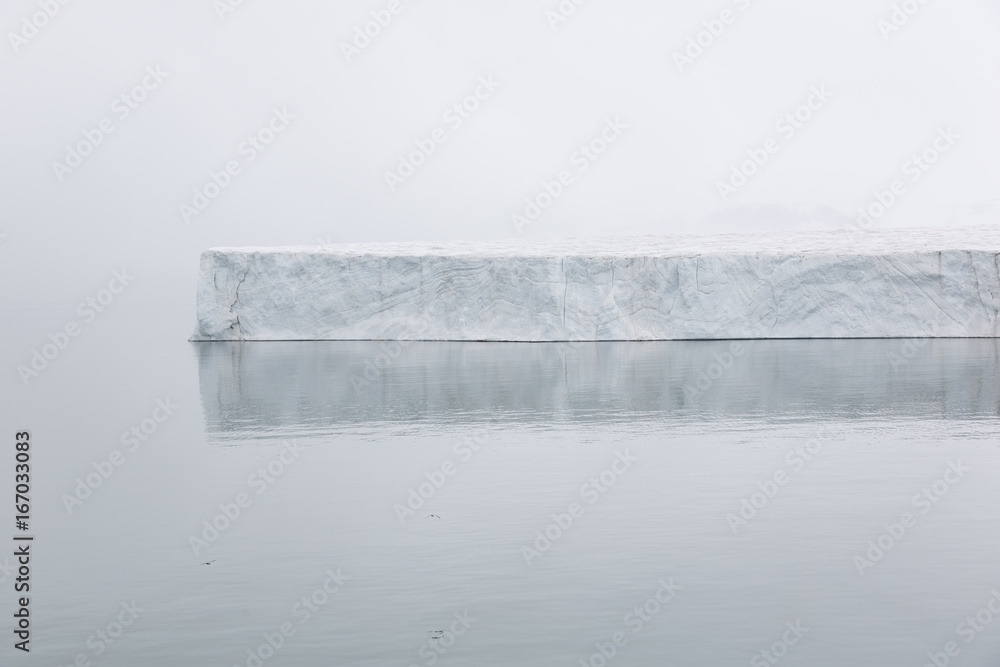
(565,292)
(975,277)
(979,290)
(236,325)
(677,279)
(614,297)
(623,321)
(996,267)
(774,301)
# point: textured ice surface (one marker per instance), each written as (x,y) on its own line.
(816,284)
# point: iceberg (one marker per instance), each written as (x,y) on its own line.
(899,283)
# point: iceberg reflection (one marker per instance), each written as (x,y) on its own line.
(253,390)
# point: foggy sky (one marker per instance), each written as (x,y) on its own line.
(322,179)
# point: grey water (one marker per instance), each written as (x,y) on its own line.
(667,503)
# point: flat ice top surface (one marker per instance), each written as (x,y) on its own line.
(843,241)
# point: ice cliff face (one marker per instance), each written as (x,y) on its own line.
(839,284)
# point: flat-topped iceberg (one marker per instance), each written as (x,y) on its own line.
(817,284)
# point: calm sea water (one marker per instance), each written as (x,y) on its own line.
(498,504)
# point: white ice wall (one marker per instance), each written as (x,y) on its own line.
(897,283)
